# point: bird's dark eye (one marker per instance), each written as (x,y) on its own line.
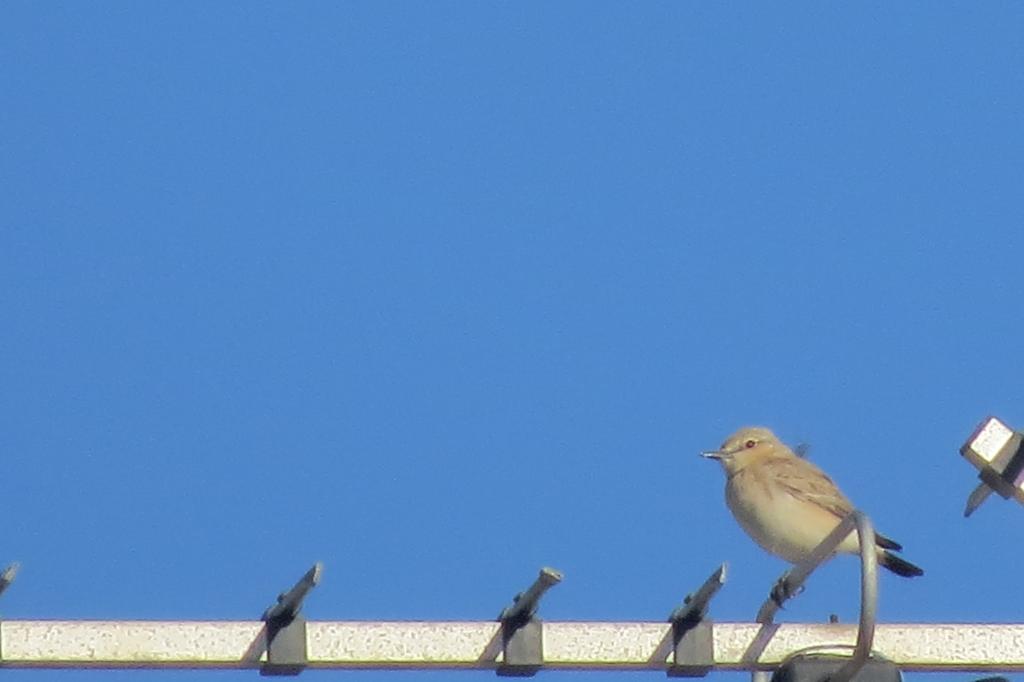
(751,443)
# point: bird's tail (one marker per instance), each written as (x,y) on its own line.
(899,565)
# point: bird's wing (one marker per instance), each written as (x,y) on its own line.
(803,480)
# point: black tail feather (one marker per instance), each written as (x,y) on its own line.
(887,543)
(899,565)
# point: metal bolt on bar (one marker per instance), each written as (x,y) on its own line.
(791,582)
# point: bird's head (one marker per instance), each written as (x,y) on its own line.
(745,446)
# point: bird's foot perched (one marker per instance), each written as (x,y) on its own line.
(784,590)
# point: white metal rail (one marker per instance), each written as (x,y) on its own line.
(476,645)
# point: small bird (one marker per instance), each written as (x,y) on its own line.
(787,504)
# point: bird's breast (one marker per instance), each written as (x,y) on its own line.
(780,522)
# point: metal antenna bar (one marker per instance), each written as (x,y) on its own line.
(986,648)
(997,451)
(868,599)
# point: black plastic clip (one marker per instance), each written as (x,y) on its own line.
(522,641)
(286,628)
(693,646)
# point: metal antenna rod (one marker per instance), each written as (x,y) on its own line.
(790,583)
(695,605)
(7,577)
(524,604)
(289,603)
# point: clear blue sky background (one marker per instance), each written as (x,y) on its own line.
(440,293)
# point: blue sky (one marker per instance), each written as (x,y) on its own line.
(439,293)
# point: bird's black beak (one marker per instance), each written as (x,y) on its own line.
(713,454)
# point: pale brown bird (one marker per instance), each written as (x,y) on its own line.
(787,504)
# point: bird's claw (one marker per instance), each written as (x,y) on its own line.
(783,591)
(777,594)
